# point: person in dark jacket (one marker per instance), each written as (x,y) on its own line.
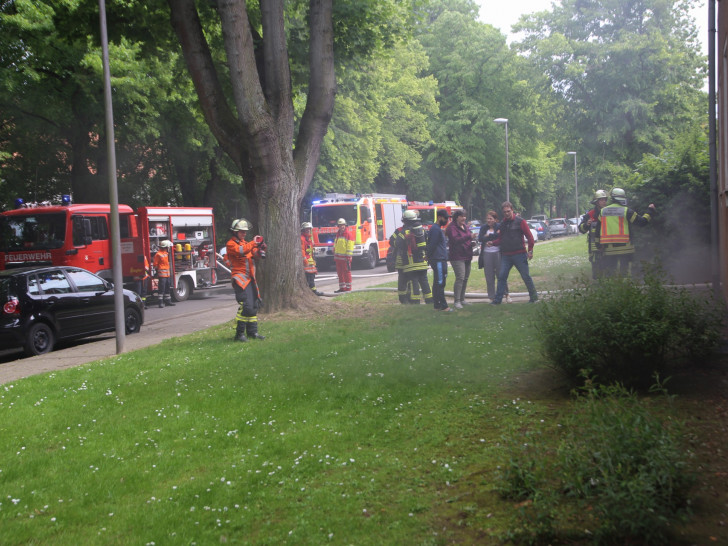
(513,230)
(437,258)
(460,252)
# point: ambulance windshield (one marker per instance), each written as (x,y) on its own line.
(328,215)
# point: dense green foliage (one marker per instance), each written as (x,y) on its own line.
(620,330)
(612,473)
(419,84)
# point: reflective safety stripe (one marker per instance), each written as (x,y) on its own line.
(241,279)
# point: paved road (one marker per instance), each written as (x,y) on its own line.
(201,311)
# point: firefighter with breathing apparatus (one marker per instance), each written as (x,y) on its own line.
(243,256)
(615,238)
(412,249)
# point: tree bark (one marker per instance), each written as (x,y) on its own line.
(259,135)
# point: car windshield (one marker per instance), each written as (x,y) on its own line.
(32,232)
(328,215)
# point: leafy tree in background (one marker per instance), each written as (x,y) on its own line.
(479,79)
(51,92)
(628,72)
(380,124)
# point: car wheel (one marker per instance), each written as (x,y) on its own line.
(372,257)
(132,321)
(39,340)
(183,290)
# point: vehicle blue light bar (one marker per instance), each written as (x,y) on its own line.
(19,202)
(65,199)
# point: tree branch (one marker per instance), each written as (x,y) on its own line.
(321,93)
(221,120)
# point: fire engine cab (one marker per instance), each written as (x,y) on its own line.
(428,209)
(79,235)
(371,219)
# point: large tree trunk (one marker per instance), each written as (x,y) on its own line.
(259,139)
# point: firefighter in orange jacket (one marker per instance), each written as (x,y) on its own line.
(243,255)
(164,272)
(343,253)
(309,263)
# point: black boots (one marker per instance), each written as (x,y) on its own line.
(253,331)
(169,303)
(240,332)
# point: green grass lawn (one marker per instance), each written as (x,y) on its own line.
(366,422)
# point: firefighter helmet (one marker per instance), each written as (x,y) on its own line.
(341,222)
(619,196)
(410,215)
(165,244)
(306,225)
(240,225)
(599,194)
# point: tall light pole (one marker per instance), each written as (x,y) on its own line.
(508,185)
(576,187)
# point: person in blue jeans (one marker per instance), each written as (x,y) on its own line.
(514,236)
(437,258)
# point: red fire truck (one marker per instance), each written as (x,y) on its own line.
(428,209)
(371,218)
(79,235)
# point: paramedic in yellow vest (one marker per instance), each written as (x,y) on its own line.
(309,263)
(243,255)
(614,235)
(343,252)
(412,248)
(163,273)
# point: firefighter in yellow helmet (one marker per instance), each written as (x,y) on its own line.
(243,256)
(614,233)
(343,253)
(309,263)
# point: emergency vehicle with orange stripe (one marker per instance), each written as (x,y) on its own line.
(79,235)
(371,219)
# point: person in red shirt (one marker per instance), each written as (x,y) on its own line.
(512,233)
(163,273)
(243,255)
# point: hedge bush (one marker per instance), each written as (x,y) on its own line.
(624,331)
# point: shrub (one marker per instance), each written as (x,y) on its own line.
(624,331)
(612,473)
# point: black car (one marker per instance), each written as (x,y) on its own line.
(43,305)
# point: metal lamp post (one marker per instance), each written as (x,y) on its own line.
(504,121)
(576,187)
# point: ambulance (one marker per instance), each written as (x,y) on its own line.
(370,218)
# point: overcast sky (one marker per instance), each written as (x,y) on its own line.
(502,14)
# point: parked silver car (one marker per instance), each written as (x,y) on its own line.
(558,226)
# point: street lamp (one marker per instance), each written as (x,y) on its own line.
(576,187)
(504,121)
